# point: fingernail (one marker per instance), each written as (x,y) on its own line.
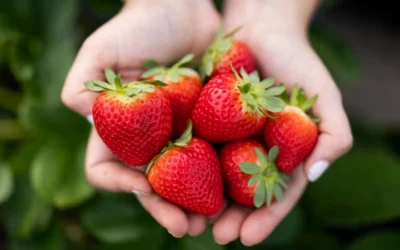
(221,243)
(90,119)
(172,234)
(140,193)
(317,170)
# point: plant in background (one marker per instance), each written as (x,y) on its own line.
(46,202)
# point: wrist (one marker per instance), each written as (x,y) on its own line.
(291,15)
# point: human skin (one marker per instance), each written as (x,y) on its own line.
(276,31)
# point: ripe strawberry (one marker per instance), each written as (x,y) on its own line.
(188,174)
(251,177)
(133,120)
(184,87)
(233,108)
(294,132)
(225,51)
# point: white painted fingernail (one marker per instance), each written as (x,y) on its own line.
(317,170)
(90,119)
(140,193)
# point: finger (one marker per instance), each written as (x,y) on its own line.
(213,218)
(197,224)
(105,172)
(227,228)
(260,223)
(166,214)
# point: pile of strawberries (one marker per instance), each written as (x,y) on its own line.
(248,135)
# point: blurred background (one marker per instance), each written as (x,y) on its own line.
(46,203)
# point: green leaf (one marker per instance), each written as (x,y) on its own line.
(274,91)
(259,196)
(104,85)
(253,180)
(186,72)
(267,83)
(152,72)
(249,168)
(132,92)
(208,67)
(278,193)
(110,75)
(244,75)
(261,157)
(117,218)
(270,190)
(155,83)
(254,77)
(184,60)
(272,103)
(186,135)
(309,103)
(365,193)
(6,183)
(245,88)
(58,174)
(224,45)
(10,130)
(51,239)
(273,153)
(377,241)
(205,241)
(24,212)
(294,95)
(93,87)
(173,75)
(150,64)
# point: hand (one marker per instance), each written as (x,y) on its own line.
(276,31)
(162,30)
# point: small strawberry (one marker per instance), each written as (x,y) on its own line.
(225,51)
(188,174)
(294,132)
(251,177)
(133,120)
(184,87)
(231,107)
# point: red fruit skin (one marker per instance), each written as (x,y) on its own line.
(239,55)
(219,114)
(236,182)
(189,177)
(134,129)
(182,96)
(294,133)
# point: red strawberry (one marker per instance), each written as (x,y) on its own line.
(233,108)
(294,132)
(251,177)
(225,51)
(188,173)
(133,120)
(184,87)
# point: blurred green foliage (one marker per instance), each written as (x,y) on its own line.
(47,204)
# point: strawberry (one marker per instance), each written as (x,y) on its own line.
(252,178)
(184,87)
(231,107)
(225,51)
(188,173)
(294,132)
(133,120)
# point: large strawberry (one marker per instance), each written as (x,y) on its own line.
(184,87)
(133,120)
(251,177)
(231,107)
(188,173)
(225,51)
(294,132)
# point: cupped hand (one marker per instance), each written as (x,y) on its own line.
(276,31)
(161,30)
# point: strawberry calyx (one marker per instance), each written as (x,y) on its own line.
(173,73)
(182,141)
(298,98)
(221,44)
(115,85)
(260,96)
(269,182)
